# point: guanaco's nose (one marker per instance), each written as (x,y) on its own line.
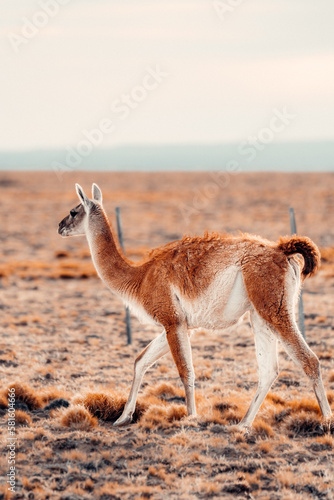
(61,226)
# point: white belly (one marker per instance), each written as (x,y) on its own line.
(221,304)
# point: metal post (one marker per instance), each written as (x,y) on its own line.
(301,320)
(121,242)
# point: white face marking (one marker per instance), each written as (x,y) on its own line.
(220,305)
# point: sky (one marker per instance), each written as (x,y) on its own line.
(160,72)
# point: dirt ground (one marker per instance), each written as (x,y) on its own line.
(63,348)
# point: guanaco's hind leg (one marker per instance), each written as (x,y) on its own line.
(154,351)
(299,351)
(179,343)
(266,355)
(274,296)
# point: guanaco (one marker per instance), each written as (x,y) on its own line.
(207,282)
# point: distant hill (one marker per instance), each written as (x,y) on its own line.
(294,157)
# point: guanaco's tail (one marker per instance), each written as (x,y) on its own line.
(290,245)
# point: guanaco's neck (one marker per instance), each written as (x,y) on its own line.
(111,266)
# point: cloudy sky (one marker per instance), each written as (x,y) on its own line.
(164,71)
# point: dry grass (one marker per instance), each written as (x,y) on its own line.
(163,390)
(327,255)
(69,269)
(77,417)
(303,423)
(64,349)
(263,429)
(52,393)
(107,407)
(3,401)
(159,417)
(27,395)
(327,261)
(306,405)
(22,418)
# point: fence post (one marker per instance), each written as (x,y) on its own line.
(121,242)
(301,320)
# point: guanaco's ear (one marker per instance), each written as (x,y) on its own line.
(82,197)
(97,193)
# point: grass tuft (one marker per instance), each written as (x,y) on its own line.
(78,417)
(163,390)
(275,399)
(223,406)
(304,424)
(262,429)
(22,418)
(3,402)
(159,417)
(108,407)
(327,255)
(53,393)
(307,405)
(27,395)
(154,417)
(175,412)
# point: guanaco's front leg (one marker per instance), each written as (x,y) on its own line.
(179,343)
(154,351)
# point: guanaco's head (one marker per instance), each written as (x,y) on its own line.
(75,223)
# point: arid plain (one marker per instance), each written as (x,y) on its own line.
(63,348)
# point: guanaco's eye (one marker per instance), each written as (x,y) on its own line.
(73,212)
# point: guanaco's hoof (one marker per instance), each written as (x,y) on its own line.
(244,428)
(328,424)
(123,422)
